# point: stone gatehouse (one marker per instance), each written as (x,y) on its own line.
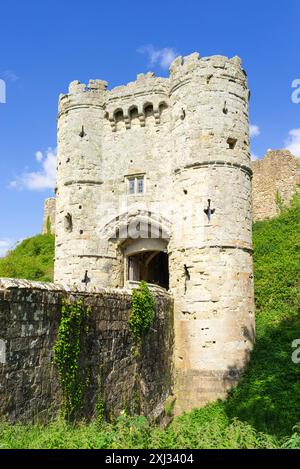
(154,183)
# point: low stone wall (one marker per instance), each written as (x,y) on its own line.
(29,318)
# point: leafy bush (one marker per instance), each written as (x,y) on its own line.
(32,259)
(293,442)
(142,312)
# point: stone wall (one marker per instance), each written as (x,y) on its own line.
(278,172)
(49,215)
(29,316)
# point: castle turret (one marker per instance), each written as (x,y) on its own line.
(211,278)
(79,181)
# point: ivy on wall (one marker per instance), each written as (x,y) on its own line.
(71,337)
(71,344)
(142,312)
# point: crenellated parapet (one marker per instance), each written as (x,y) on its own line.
(145,97)
(182,69)
(81,95)
(149,95)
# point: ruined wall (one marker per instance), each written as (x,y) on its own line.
(278,172)
(29,316)
(49,215)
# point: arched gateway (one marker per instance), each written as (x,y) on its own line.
(141,238)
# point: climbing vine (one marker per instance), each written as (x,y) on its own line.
(72,332)
(100,410)
(142,312)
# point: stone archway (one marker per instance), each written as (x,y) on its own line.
(146,259)
(138,239)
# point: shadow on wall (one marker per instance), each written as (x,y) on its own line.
(234,373)
(268,395)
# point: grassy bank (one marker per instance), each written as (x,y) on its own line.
(31,259)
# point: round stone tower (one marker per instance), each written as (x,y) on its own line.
(78,191)
(211,257)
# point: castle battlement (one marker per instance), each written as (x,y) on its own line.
(149,93)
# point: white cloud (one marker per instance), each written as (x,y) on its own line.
(162,57)
(39,156)
(5,245)
(292,143)
(254,130)
(42,179)
(9,75)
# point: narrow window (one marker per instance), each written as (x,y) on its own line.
(136,185)
(131,185)
(133,113)
(68,223)
(118,115)
(140,185)
(162,107)
(148,110)
(231,143)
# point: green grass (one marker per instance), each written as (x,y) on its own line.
(268,396)
(190,431)
(32,259)
(263,411)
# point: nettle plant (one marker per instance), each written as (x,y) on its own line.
(142,312)
(71,340)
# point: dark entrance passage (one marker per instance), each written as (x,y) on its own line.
(151,266)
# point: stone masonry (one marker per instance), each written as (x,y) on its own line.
(29,317)
(154,183)
(277,173)
(49,215)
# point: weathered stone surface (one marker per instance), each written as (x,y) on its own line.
(30,313)
(277,173)
(49,215)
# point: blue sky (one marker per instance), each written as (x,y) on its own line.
(45,45)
